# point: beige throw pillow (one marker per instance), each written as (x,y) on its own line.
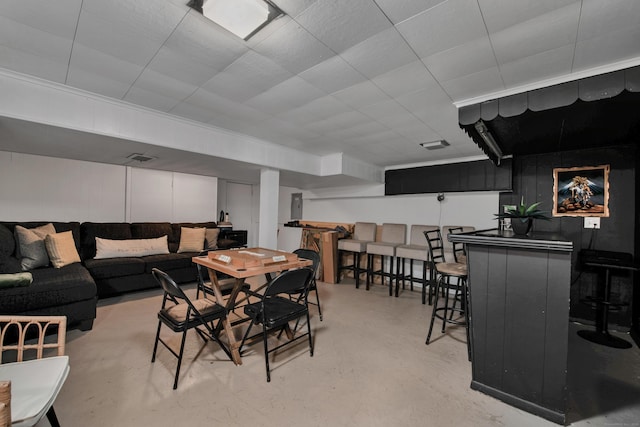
(31,249)
(61,249)
(191,239)
(107,248)
(211,238)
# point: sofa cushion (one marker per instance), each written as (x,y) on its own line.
(170,262)
(211,238)
(51,287)
(191,239)
(61,249)
(9,264)
(151,230)
(106,230)
(7,242)
(106,248)
(114,267)
(31,249)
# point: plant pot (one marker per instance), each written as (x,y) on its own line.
(521,226)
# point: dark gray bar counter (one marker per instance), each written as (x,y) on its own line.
(519,316)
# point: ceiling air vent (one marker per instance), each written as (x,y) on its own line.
(140,157)
(434,145)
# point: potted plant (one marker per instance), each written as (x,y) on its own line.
(522,216)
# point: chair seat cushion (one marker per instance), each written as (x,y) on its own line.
(115,267)
(353,245)
(418,252)
(176,316)
(278,311)
(452,268)
(168,262)
(381,248)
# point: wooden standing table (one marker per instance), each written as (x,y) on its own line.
(241,264)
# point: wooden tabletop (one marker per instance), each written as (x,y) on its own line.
(243,263)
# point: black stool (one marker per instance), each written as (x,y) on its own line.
(449,276)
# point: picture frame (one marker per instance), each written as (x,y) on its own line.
(581,191)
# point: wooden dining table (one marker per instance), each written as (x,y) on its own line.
(242,264)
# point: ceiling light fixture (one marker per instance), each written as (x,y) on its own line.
(486,136)
(243,18)
(434,145)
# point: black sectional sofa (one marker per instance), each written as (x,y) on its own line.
(74,289)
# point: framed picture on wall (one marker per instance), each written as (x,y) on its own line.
(581,191)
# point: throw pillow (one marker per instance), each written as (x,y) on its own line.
(61,249)
(191,239)
(33,253)
(9,264)
(211,238)
(16,279)
(106,248)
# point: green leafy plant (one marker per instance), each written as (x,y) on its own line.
(524,211)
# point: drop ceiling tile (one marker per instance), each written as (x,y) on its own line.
(332,75)
(544,65)
(361,94)
(467,58)
(296,91)
(389,110)
(599,18)
(193,112)
(210,101)
(388,44)
(418,132)
(102,84)
(196,50)
(499,15)
(619,45)
(270,101)
(163,85)
(150,99)
(86,61)
(364,130)
(432,102)
(339,121)
(233,87)
(132,31)
(35,65)
(258,70)
(342,24)
(293,48)
(473,85)
(526,39)
(318,109)
(398,11)
(294,7)
(57,18)
(444,26)
(412,77)
(29,50)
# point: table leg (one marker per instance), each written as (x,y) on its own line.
(234,346)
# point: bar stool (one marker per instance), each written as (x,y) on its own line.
(393,235)
(452,250)
(363,233)
(415,250)
(449,276)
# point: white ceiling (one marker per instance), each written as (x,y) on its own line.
(367,78)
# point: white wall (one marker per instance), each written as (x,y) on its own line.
(170,196)
(39,188)
(473,208)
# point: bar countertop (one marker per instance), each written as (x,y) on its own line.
(496,237)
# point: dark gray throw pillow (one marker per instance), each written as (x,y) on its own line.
(9,265)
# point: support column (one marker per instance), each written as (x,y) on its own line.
(268,220)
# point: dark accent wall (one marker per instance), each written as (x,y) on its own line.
(480,175)
(533,179)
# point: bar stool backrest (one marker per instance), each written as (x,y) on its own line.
(417,233)
(394,233)
(435,245)
(365,231)
(448,246)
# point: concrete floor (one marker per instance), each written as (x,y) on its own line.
(370,368)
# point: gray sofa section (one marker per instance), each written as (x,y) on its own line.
(73,290)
